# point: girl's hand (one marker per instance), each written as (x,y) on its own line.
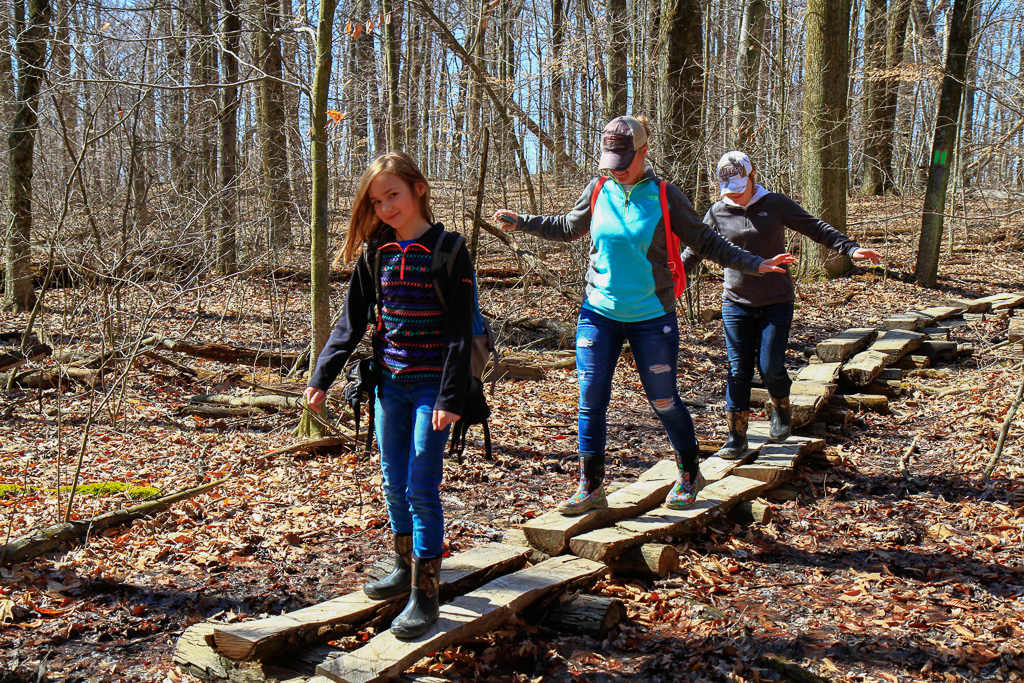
(863,253)
(314,398)
(772,264)
(443,418)
(506,220)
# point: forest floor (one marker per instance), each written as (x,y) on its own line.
(862,577)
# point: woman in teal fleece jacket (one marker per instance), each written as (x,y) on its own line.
(629,296)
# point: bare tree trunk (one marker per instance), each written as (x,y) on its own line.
(392,12)
(227,235)
(362,71)
(748,68)
(682,89)
(272,124)
(615,59)
(320,289)
(30,45)
(874,95)
(825,135)
(943,141)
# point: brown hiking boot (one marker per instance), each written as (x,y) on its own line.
(736,446)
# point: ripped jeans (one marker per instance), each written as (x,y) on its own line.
(655,346)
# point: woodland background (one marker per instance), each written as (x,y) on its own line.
(169,183)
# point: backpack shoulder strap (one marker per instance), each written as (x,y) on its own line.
(442,261)
(597,191)
(663,197)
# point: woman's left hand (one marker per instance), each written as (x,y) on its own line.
(443,418)
(863,253)
(772,265)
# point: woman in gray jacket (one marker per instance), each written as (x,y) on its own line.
(757,311)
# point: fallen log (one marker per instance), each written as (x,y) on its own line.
(261,401)
(873,402)
(791,671)
(651,560)
(16,358)
(51,379)
(223,353)
(52,537)
(750,511)
(586,615)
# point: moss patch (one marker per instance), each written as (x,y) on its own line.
(98,490)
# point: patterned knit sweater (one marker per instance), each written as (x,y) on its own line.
(414,339)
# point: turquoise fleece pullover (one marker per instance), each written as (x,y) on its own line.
(628,278)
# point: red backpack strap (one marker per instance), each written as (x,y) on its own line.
(597,191)
(675,259)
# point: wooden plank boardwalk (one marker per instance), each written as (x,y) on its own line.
(483,586)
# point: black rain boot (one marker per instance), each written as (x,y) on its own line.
(736,446)
(782,419)
(399,580)
(590,493)
(684,493)
(421,612)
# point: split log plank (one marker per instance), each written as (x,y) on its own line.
(864,368)
(462,619)
(775,463)
(602,545)
(912,362)
(263,639)
(845,345)
(1016,329)
(550,533)
(939,333)
(896,344)
(805,408)
(940,313)
(1002,302)
(969,306)
(823,373)
(901,322)
(587,615)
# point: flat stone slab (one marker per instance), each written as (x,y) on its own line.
(845,344)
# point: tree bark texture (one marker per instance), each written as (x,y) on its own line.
(227,232)
(320,289)
(882,81)
(825,133)
(944,141)
(615,59)
(682,89)
(748,67)
(30,44)
(272,124)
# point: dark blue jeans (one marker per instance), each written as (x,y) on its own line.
(756,333)
(412,462)
(655,346)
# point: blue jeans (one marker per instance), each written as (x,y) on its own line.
(760,332)
(412,462)
(655,346)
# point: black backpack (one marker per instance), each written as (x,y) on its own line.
(363,379)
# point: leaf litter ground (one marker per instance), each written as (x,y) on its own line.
(861,577)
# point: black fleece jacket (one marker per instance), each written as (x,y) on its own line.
(360,303)
(760,228)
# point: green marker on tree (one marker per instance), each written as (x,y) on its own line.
(939,157)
